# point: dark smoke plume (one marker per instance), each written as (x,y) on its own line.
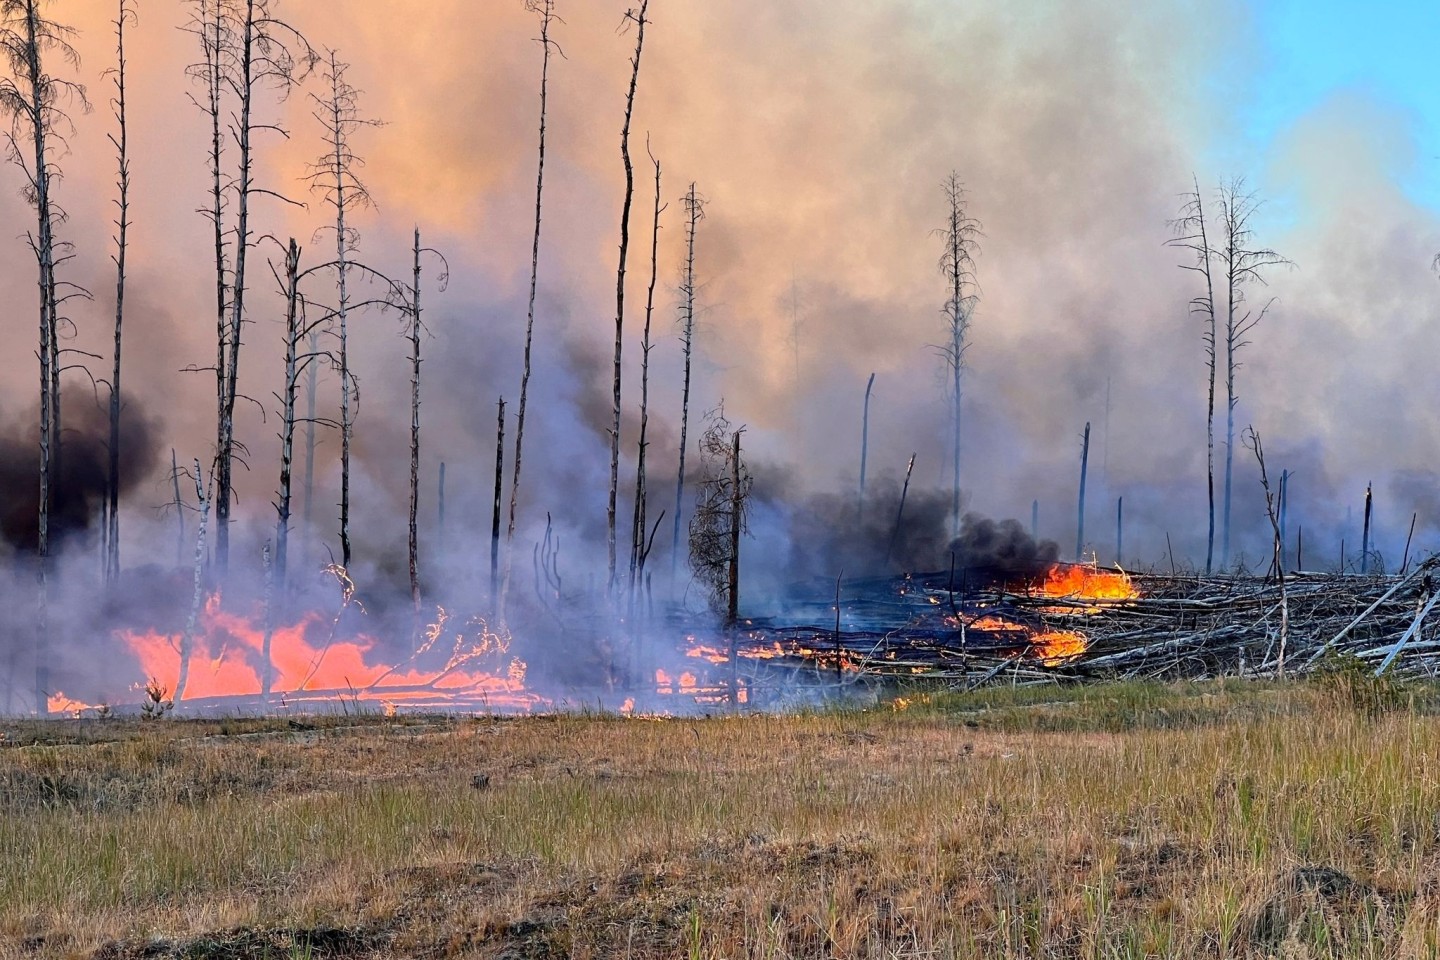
(78,487)
(830,535)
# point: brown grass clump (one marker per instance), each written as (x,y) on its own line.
(1202,820)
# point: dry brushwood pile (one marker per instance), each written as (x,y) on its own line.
(1127,627)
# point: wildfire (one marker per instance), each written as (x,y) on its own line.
(1081,582)
(227,659)
(1057,647)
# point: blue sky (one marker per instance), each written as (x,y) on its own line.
(1387,52)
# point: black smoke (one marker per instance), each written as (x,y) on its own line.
(79,482)
(830,533)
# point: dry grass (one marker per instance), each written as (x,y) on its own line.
(1197,821)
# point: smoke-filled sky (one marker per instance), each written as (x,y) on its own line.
(819,133)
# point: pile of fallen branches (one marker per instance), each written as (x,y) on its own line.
(1178,627)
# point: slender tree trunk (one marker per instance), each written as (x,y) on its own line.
(610,512)
(212,40)
(1084,466)
(737,502)
(179,510)
(1120,531)
(293,335)
(1284,513)
(35,107)
(639,525)
(495,572)
(197,593)
(312,383)
(864,448)
(121,142)
(339,169)
(415,438)
(900,512)
(547,14)
(1365,536)
(245,84)
(694,211)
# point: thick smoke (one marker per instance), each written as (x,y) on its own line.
(829,535)
(82,475)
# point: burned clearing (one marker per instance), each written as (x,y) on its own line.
(1201,819)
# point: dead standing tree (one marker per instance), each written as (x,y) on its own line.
(961,233)
(34,100)
(121,141)
(414,324)
(335,176)
(638,18)
(719,519)
(639,548)
(244,48)
(694,206)
(546,10)
(1191,233)
(1243,264)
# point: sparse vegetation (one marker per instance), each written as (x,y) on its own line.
(1220,819)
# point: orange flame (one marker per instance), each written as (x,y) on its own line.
(1088,583)
(1058,647)
(227,659)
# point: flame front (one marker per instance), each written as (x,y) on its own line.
(1081,582)
(308,661)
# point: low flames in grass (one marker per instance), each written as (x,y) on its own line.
(1076,581)
(457,663)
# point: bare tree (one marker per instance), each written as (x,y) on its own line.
(694,206)
(1243,263)
(1277,560)
(120,140)
(33,99)
(245,47)
(638,18)
(335,176)
(546,11)
(414,324)
(962,239)
(295,362)
(638,551)
(1191,233)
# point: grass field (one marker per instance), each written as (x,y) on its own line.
(1203,820)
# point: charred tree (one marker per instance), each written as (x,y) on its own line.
(121,141)
(495,576)
(1365,535)
(1084,468)
(1191,233)
(638,526)
(251,49)
(961,235)
(638,18)
(694,212)
(296,332)
(546,11)
(720,509)
(414,324)
(335,176)
(33,99)
(864,448)
(1243,264)
(415,433)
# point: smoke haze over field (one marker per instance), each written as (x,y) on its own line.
(820,134)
